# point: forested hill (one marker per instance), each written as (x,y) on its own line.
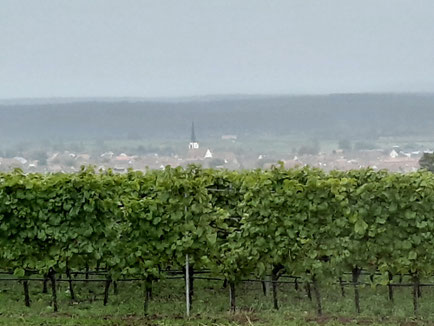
(347,115)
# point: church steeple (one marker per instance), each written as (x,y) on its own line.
(193,141)
(193,135)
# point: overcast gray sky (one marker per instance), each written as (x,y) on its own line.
(63,48)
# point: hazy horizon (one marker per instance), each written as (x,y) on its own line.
(196,98)
(191,48)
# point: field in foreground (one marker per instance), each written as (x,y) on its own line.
(210,306)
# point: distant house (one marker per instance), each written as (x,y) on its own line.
(393,154)
(20,159)
(124,157)
(229,137)
(208,154)
(53,157)
(83,157)
(108,155)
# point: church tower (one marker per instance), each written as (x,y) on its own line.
(193,142)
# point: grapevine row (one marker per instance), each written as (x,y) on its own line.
(303,222)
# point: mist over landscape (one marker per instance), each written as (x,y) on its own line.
(350,116)
(247,129)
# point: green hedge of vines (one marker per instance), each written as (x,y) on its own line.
(303,221)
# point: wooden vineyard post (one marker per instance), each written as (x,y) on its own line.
(26,293)
(149,289)
(341,283)
(44,284)
(52,276)
(187,286)
(274,279)
(187,278)
(415,294)
(148,286)
(264,287)
(71,287)
(191,277)
(356,273)
(232,296)
(274,287)
(389,285)
(146,302)
(106,290)
(317,296)
(308,291)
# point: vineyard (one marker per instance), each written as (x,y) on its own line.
(299,226)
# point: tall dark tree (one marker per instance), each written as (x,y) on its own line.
(427,161)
